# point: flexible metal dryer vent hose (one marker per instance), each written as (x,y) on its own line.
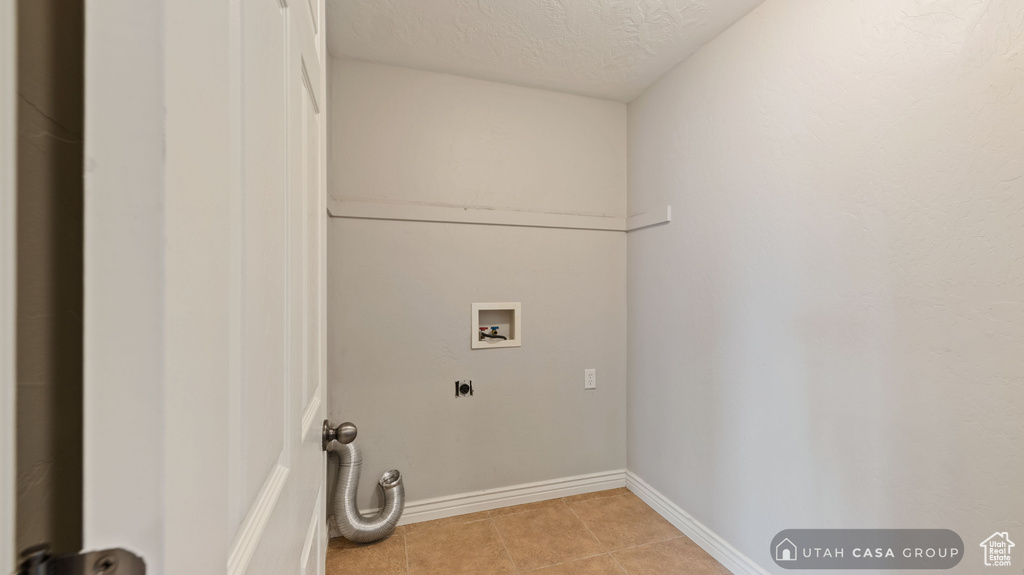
(346,519)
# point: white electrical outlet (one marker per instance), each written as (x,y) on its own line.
(589,379)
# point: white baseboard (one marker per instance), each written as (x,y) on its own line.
(708,540)
(460,504)
(463,503)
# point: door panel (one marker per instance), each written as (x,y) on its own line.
(314,21)
(306,139)
(204,400)
(264,248)
(313,214)
(311,563)
(280,402)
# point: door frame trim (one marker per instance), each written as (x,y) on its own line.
(123,279)
(8,281)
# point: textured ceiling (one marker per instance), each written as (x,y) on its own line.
(604,48)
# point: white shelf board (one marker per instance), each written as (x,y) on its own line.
(370,210)
(649,218)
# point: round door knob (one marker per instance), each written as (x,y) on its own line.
(344,433)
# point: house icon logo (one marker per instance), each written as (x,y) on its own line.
(786,550)
(997,549)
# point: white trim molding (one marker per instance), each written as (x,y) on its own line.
(8,257)
(412,212)
(707,539)
(472,502)
(255,523)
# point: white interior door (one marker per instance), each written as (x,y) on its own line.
(8,111)
(204,287)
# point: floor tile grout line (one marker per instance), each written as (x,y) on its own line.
(619,565)
(601,498)
(523,511)
(452,524)
(608,551)
(648,543)
(626,571)
(589,530)
(494,524)
(604,551)
(562,563)
(405,540)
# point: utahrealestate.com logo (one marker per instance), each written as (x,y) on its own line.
(997,549)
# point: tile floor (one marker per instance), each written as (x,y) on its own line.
(604,533)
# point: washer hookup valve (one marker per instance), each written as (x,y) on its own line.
(492,335)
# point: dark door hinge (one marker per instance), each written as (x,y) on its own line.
(37,560)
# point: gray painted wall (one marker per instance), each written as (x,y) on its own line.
(399,293)
(829,333)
